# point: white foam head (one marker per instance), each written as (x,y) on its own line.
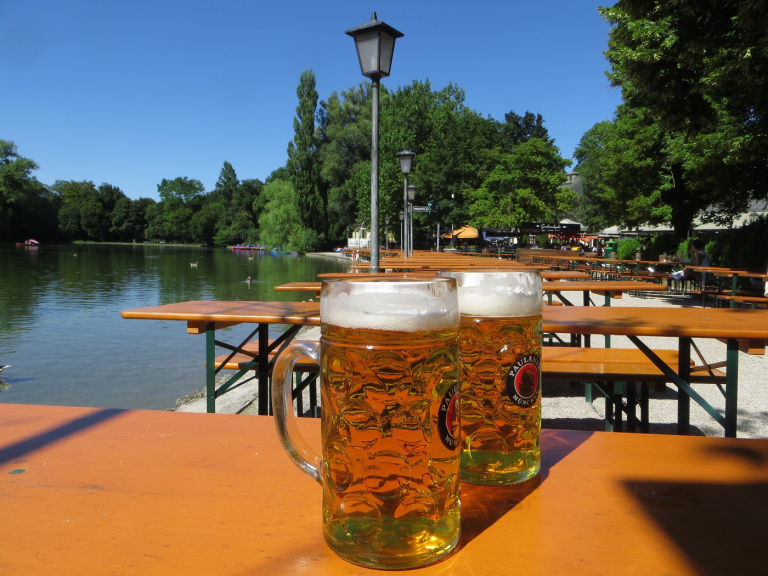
(499,293)
(405,305)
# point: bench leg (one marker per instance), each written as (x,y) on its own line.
(609,412)
(683,400)
(631,411)
(644,400)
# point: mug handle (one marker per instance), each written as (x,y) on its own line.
(297,448)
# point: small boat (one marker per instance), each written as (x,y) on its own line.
(249,247)
(3,367)
(31,242)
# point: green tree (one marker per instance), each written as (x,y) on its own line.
(344,142)
(27,208)
(128,219)
(517,129)
(701,70)
(202,226)
(170,219)
(280,223)
(523,186)
(451,143)
(226,205)
(303,164)
(81,216)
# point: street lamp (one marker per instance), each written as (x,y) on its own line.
(411,190)
(375,43)
(401,214)
(453,238)
(406,163)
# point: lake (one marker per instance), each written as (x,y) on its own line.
(62,333)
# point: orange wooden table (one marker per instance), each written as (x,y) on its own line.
(555,287)
(94,491)
(545,274)
(747,329)
(206,316)
(608,288)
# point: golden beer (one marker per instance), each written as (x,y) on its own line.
(390,444)
(389,468)
(500,357)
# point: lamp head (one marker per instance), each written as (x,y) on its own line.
(375,43)
(406,160)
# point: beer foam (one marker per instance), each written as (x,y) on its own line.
(392,306)
(496,294)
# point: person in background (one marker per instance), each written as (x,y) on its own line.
(698,258)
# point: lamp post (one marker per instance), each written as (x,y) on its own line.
(401,214)
(386,233)
(406,163)
(453,238)
(411,190)
(375,43)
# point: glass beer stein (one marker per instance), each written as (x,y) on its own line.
(389,469)
(500,358)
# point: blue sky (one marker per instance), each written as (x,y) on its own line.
(132,92)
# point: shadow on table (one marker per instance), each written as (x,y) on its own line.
(482,506)
(701,519)
(719,527)
(23,447)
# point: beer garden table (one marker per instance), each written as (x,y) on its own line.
(101,491)
(740,328)
(208,316)
(555,287)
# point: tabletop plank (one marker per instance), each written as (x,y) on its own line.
(734,323)
(93,491)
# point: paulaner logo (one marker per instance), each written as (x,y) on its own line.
(448,417)
(523,381)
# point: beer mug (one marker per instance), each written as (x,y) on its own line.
(500,358)
(388,357)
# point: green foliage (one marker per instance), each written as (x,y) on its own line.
(697,73)
(745,247)
(280,224)
(344,143)
(233,204)
(303,157)
(626,248)
(523,186)
(27,208)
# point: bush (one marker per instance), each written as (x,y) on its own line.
(627,247)
(303,240)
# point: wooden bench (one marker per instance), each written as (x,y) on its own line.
(750,301)
(610,369)
(305,372)
(613,371)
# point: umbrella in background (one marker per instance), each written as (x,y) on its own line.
(463,232)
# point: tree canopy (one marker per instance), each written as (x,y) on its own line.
(691,136)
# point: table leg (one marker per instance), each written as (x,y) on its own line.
(683,400)
(210,368)
(731,387)
(265,404)
(686,393)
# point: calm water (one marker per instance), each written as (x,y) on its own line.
(62,333)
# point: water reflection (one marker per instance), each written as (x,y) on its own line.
(60,324)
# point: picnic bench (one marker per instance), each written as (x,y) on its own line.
(613,371)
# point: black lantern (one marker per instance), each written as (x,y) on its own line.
(375,43)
